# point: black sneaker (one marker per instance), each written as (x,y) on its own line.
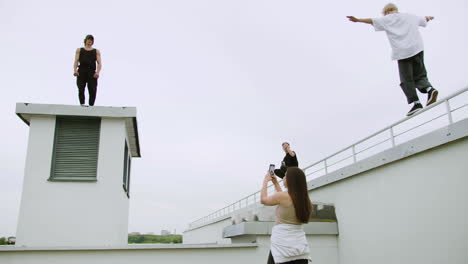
(414,109)
(432,96)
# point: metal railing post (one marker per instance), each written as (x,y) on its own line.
(326,169)
(449,112)
(354,153)
(392,136)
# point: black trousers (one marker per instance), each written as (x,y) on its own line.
(281,172)
(297,261)
(413,75)
(81,81)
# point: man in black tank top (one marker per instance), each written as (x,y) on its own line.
(85,70)
(290,160)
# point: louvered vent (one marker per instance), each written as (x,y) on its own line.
(76,148)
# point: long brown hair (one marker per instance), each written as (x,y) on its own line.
(297,189)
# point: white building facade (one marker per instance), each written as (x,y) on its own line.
(77,175)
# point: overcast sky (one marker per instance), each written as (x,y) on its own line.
(218,86)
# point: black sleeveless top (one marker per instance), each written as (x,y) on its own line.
(291,161)
(87,60)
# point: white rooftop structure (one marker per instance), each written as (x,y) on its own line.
(76,187)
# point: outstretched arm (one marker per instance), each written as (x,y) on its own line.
(75,63)
(361,20)
(99,64)
(429,18)
(292,153)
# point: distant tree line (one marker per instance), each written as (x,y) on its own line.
(136,239)
(5,241)
(154,239)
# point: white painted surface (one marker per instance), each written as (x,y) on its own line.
(73,213)
(32,225)
(10,248)
(410,211)
(28,109)
(199,255)
(265,228)
(208,234)
(323,251)
(324,248)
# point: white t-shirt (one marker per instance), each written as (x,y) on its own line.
(402,32)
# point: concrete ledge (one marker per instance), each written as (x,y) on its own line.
(264,228)
(130,247)
(27,109)
(322,212)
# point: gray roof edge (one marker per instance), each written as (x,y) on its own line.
(137,138)
(264,228)
(127,247)
(25,109)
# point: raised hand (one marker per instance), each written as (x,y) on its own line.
(352,19)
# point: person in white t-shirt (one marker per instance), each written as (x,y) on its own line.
(407,48)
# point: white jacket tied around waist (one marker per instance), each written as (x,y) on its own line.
(288,242)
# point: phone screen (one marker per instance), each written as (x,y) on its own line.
(272,169)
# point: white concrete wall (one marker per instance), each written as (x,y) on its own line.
(35,201)
(323,250)
(212,233)
(73,213)
(410,211)
(144,256)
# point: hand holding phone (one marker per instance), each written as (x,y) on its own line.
(272,169)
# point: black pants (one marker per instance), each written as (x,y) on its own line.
(297,261)
(81,81)
(281,172)
(413,75)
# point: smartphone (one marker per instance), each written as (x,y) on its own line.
(272,169)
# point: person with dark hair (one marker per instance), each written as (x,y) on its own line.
(85,70)
(289,160)
(407,48)
(294,208)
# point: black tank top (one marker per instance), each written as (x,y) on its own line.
(291,161)
(87,60)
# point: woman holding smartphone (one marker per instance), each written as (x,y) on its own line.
(288,241)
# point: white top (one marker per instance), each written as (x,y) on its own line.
(402,32)
(288,243)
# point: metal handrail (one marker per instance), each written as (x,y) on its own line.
(225,211)
(395,124)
